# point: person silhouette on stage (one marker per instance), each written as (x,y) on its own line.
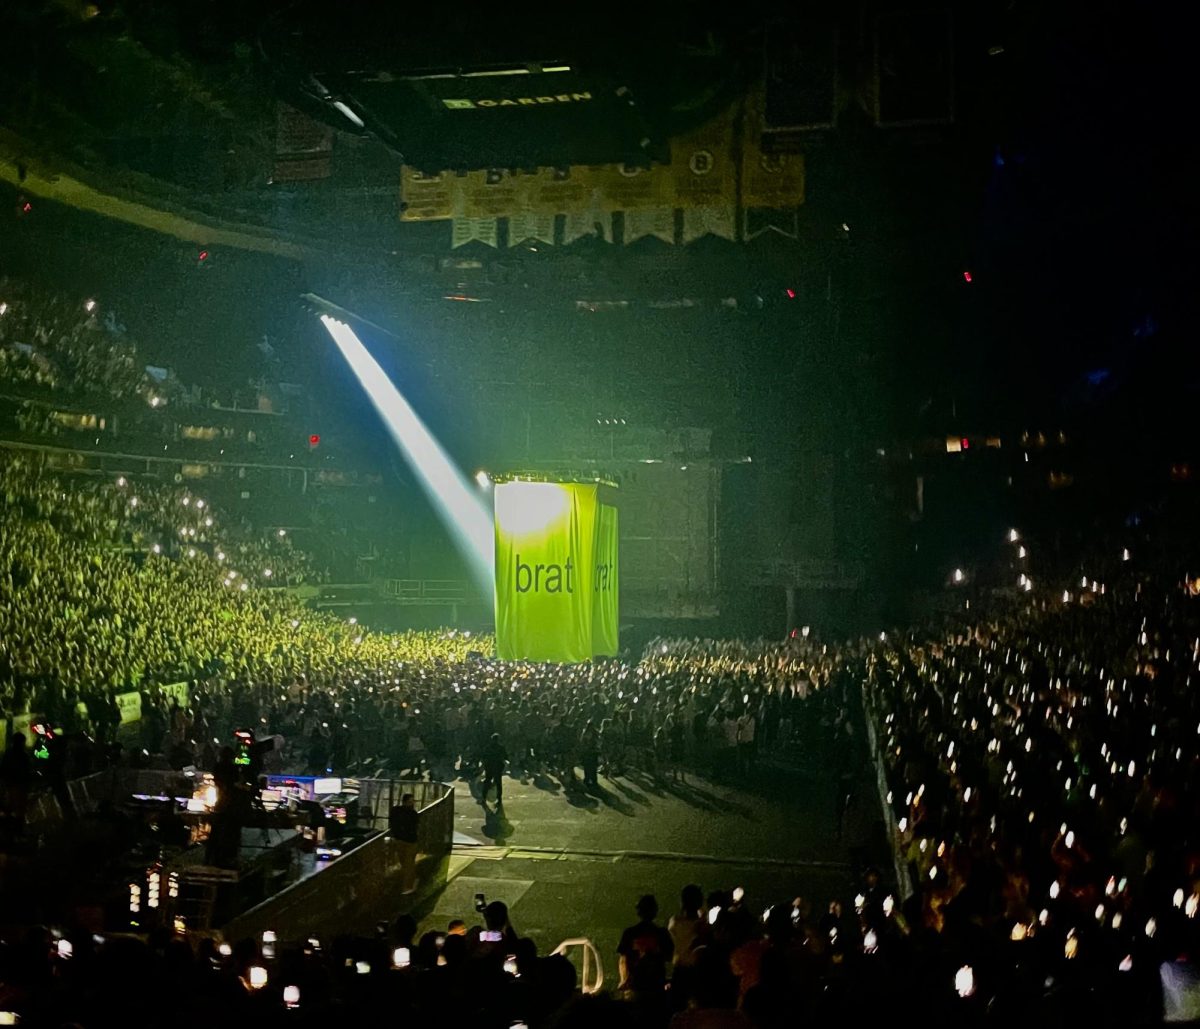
(494,759)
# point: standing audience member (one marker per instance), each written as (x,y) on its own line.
(16,776)
(402,825)
(645,952)
(687,927)
(494,759)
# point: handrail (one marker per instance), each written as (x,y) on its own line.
(589,948)
(904,882)
(12,444)
(428,591)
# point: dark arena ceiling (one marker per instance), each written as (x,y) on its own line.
(512,93)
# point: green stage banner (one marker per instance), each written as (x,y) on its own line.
(605,624)
(545,550)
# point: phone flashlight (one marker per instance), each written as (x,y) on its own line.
(713,914)
(401,957)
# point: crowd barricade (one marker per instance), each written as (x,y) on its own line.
(904,883)
(346,892)
(363,885)
(116,784)
(112,785)
(43,808)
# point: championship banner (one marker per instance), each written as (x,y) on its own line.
(647,198)
(545,550)
(427,197)
(605,624)
(707,179)
(770,179)
(624,187)
(530,225)
(468,230)
(702,164)
(658,223)
(491,193)
(704,221)
(559,190)
(590,222)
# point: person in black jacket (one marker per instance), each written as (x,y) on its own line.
(589,754)
(494,759)
(402,826)
(16,777)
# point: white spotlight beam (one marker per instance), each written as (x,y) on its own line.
(458,504)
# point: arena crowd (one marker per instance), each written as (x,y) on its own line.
(55,342)
(1038,754)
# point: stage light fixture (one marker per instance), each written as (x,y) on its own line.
(354,119)
(460,507)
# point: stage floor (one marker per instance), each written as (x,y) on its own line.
(574,865)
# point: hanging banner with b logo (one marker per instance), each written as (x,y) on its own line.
(554,564)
